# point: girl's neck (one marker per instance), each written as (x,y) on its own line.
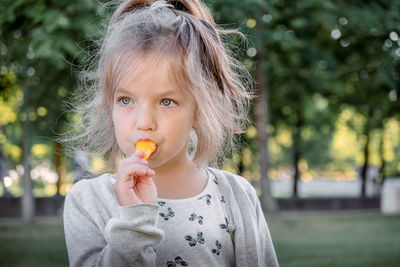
(180,179)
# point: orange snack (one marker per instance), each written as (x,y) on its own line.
(147,146)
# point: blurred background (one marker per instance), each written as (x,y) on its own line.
(323,149)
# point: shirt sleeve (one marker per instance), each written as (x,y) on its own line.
(127,240)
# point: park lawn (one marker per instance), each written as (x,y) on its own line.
(336,239)
(359,239)
(41,243)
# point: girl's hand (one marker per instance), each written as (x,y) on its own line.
(134,184)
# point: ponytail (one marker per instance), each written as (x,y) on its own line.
(193,7)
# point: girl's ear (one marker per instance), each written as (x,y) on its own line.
(195,124)
(195,120)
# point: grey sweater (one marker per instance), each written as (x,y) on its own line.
(100,232)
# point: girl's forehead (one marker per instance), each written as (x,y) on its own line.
(152,74)
(148,71)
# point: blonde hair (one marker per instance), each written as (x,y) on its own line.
(201,66)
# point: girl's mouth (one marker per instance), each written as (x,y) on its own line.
(146,145)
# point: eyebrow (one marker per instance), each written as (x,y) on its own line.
(121,91)
(163,94)
(169,93)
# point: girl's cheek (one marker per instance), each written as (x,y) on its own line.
(119,115)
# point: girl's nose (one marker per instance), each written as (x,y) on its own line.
(145,120)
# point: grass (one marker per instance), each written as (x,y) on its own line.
(340,239)
(357,239)
(40,243)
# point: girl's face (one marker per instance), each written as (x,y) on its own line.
(148,106)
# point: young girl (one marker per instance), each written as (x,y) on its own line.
(164,76)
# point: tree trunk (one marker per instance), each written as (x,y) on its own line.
(261,119)
(364,169)
(381,179)
(297,153)
(28,207)
(59,166)
(296,175)
(381,154)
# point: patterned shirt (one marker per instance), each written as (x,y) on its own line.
(197,231)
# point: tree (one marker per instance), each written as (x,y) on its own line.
(298,48)
(38,40)
(367,63)
(232,12)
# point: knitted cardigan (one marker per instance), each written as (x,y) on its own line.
(100,232)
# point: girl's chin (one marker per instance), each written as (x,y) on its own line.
(152,155)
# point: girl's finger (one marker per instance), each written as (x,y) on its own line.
(134,158)
(146,180)
(139,154)
(130,170)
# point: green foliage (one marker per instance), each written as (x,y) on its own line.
(322,58)
(40,43)
(10,99)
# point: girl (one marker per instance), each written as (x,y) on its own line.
(164,76)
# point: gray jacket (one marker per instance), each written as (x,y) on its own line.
(99,232)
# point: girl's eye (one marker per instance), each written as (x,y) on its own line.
(167,102)
(125,101)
